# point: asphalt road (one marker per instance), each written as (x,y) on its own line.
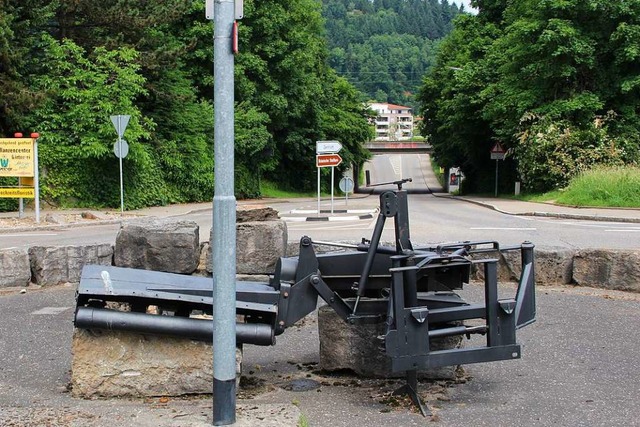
(579,368)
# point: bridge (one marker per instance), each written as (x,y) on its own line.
(398,147)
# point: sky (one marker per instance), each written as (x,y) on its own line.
(466,4)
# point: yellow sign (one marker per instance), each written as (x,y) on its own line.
(17,157)
(27,181)
(17,192)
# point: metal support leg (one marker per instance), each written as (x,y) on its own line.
(411,389)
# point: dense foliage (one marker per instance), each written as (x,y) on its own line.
(555,81)
(67,65)
(384,47)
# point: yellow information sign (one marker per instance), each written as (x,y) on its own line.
(27,181)
(17,192)
(17,157)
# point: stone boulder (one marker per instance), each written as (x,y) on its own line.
(357,348)
(16,270)
(124,364)
(609,269)
(51,265)
(259,245)
(256,213)
(158,244)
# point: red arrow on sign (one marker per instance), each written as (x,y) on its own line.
(328,160)
(498,149)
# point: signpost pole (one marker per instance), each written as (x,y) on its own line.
(120,149)
(346,199)
(332,169)
(497,153)
(36,175)
(496,192)
(318,213)
(120,161)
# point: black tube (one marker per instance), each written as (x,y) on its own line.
(183,327)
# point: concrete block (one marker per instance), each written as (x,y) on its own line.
(51,265)
(609,269)
(553,266)
(15,267)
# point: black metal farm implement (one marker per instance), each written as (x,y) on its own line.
(412,289)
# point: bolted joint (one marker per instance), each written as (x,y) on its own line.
(305,241)
(315,280)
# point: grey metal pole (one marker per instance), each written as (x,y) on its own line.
(36,175)
(318,214)
(332,169)
(496,192)
(224,220)
(120,160)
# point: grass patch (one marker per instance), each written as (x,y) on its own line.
(302,421)
(436,170)
(269,189)
(598,187)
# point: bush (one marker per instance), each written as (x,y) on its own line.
(551,153)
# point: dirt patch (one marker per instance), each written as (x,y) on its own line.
(58,218)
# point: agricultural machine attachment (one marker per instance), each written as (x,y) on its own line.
(414,290)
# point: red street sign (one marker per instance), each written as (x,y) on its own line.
(328,160)
(498,149)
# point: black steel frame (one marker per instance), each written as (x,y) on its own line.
(412,289)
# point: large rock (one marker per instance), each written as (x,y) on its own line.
(553,266)
(158,244)
(256,213)
(609,269)
(259,245)
(15,267)
(357,348)
(51,265)
(119,364)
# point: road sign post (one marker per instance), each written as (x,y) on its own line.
(326,156)
(120,122)
(346,186)
(497,154)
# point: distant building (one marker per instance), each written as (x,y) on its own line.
(393,122)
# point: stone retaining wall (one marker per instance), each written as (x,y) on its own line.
(261,243)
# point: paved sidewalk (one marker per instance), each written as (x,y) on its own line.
(519,207)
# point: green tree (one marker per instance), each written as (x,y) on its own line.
(566,62)
(81,91)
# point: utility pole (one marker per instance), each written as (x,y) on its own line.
(224,219)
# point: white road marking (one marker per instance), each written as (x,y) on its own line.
(51,310)
(30,235)
(503,228)
(624,230)
(396,164)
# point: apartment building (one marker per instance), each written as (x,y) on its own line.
(393,122)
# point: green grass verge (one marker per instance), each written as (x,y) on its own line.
(269,189)
(598,187)
(436,170)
